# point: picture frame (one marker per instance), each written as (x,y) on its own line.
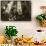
(15,10)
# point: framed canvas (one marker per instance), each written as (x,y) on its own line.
(15,10)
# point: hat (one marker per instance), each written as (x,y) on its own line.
(42,7)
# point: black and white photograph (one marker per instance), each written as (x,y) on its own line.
(15,10)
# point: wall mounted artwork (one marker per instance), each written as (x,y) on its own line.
(15,10)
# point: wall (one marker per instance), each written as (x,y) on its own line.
(27,28)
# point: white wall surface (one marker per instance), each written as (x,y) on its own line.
(27,28)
